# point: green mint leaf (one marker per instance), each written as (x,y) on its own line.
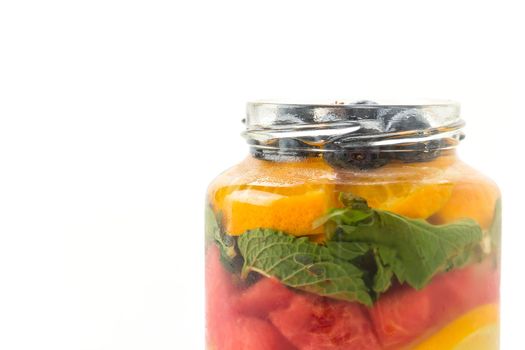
(301,264)
(225,242)
(342,216)
(211,225)
(470,254)
(347,250)
(352,201)
(383,277)
(495,228)
(413,249)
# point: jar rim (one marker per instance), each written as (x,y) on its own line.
(346,103)
(274,114)
(429,126)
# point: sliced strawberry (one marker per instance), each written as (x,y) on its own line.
(315,323)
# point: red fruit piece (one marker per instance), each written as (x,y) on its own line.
(459,291)
(226,329)
(403,314)
(250,333)
(266,295)
(220,294)
(315,323)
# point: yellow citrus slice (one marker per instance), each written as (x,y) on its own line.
(415,200)
(476,330)
(486,338)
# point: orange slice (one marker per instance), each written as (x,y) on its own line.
(293,213)
(288,178)
(473,200)
(286,196)
(415,200)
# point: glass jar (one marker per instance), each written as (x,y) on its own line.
(352,226)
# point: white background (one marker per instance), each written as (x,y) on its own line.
(114,116)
